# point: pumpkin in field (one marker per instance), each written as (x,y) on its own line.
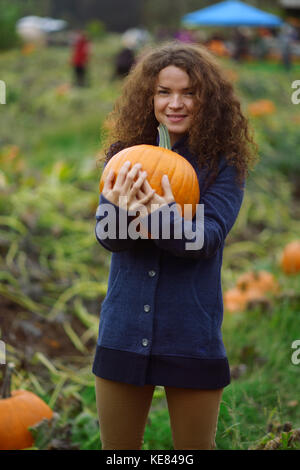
(19,409)
(290,259)
(249,286)
(235,300)
(261,107)
(158,161)
(261,281)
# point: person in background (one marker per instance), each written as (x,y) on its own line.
(241,45)
(124,60)
(285,40)
(80,58)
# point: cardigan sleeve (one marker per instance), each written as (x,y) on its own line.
(109,215)
(202,236)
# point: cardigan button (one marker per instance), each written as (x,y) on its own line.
(147,308)
(145,342)
(151,273)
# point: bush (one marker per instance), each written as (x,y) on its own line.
(10,13)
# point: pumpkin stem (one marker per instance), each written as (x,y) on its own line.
(7,380)
(164,137)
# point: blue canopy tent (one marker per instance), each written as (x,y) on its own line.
(231,13)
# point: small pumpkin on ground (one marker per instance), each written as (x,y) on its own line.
(235,300)
(261,107)
(250,286)
(19,409)
(262,281)
(290,259)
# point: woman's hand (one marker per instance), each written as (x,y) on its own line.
(155,201)
(125,192)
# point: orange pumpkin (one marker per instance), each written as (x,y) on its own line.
(158,161)
(252,285)
(235,300)
(19,410)
(254,294)
(261,107)
(290,259)
(261,281)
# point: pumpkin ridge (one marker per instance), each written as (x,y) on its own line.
(154,172)
(174,168)
(174,172)
(185,194)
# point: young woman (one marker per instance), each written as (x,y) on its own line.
(160,322)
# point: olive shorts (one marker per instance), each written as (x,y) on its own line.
(123,410)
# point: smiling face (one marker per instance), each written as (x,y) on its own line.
(174,101)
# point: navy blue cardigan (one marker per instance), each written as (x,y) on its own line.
(160,321)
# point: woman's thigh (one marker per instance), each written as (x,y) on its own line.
(193,416)
(122,411)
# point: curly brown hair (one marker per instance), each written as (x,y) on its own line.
(219,127)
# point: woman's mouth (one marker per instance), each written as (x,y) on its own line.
(176,117)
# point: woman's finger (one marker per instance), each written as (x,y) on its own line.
(108,183)
(143,199)
(131,176)
(140,194)
(147,198)
(139,182)
(147,186)
(122,174)
(168,194)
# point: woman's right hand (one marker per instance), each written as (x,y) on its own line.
(125,186)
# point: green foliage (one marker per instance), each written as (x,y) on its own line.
(157,432)
(52,435)
(280,145)
(85,430)
(10,13)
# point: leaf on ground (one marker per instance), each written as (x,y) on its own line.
(53,435)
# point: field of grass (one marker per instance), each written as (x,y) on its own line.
(53,273)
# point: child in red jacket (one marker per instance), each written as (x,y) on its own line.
(80,58)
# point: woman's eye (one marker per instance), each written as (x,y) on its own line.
(162,92)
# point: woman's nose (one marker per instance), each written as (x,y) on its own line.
(175,101)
